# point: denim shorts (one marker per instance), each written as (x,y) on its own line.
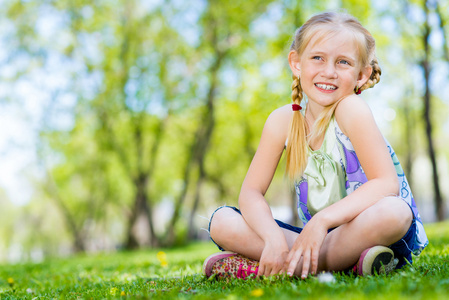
(402,249)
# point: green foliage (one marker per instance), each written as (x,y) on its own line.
(358,8)
(142,74)
(176,273)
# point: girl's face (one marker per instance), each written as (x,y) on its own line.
(330,69)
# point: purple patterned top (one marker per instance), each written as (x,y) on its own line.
(341,150)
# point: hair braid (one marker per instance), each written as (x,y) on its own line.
(296,150)
(375,76)
(296,90)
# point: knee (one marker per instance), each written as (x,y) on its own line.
(396,212)
(393,216)
(220,222)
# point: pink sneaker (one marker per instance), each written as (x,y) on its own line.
(377,259)
(229,264)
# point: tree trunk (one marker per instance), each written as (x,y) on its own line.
(209,126)
(439,205)
(192,234)
(78,236)
(408,139)
(170,233)
(199,146)
(140,210)
(143,207)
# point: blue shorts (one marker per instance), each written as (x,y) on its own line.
(402,249)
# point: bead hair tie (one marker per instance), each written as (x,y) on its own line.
(358,90)
(296,107)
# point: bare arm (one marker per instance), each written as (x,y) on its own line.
(252,203)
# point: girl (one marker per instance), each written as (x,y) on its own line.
(354,200)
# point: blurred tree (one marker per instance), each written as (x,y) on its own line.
(224,30)
(123,82)
(441,10)
(427,68)
(168,102)
(415,32)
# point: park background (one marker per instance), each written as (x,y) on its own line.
(124,124)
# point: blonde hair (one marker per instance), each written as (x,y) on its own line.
(321,26)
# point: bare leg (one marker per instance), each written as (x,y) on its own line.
(381,224)
(384,223)
(230,231)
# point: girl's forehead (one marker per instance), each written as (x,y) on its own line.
(340,40)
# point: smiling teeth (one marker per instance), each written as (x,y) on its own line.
(326,87)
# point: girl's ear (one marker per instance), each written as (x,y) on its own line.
(365,74)
(293,61)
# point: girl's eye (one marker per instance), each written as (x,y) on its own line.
(317,57)
(344,62)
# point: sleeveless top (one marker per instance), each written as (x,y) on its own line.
(334,171)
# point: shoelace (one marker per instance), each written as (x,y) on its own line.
(242,273)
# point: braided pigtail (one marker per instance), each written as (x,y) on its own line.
(296,150)
(375,76)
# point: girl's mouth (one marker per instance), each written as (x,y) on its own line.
(326,87)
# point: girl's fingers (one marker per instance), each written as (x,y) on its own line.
(274,271)
(315,255)
(285,266)
(287,262)
(261,269)
(267,272)
(294,262)
(305,264)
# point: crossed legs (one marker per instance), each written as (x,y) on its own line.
(384,223)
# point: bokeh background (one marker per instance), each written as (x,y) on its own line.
(124,124)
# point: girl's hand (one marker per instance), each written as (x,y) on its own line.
(307,246)
(272,259)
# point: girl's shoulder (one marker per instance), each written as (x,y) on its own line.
(280,118)
(353,112)
(277,124)
(283,111)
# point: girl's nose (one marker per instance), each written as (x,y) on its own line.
(329,70)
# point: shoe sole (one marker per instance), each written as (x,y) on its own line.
(378,259)
(212,259)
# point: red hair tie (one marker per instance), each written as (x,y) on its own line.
(296,107)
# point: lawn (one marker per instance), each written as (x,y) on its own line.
(176,273)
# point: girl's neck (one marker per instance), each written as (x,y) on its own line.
(312,113)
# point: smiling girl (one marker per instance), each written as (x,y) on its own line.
(353,198)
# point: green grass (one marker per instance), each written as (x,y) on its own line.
(140,275)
